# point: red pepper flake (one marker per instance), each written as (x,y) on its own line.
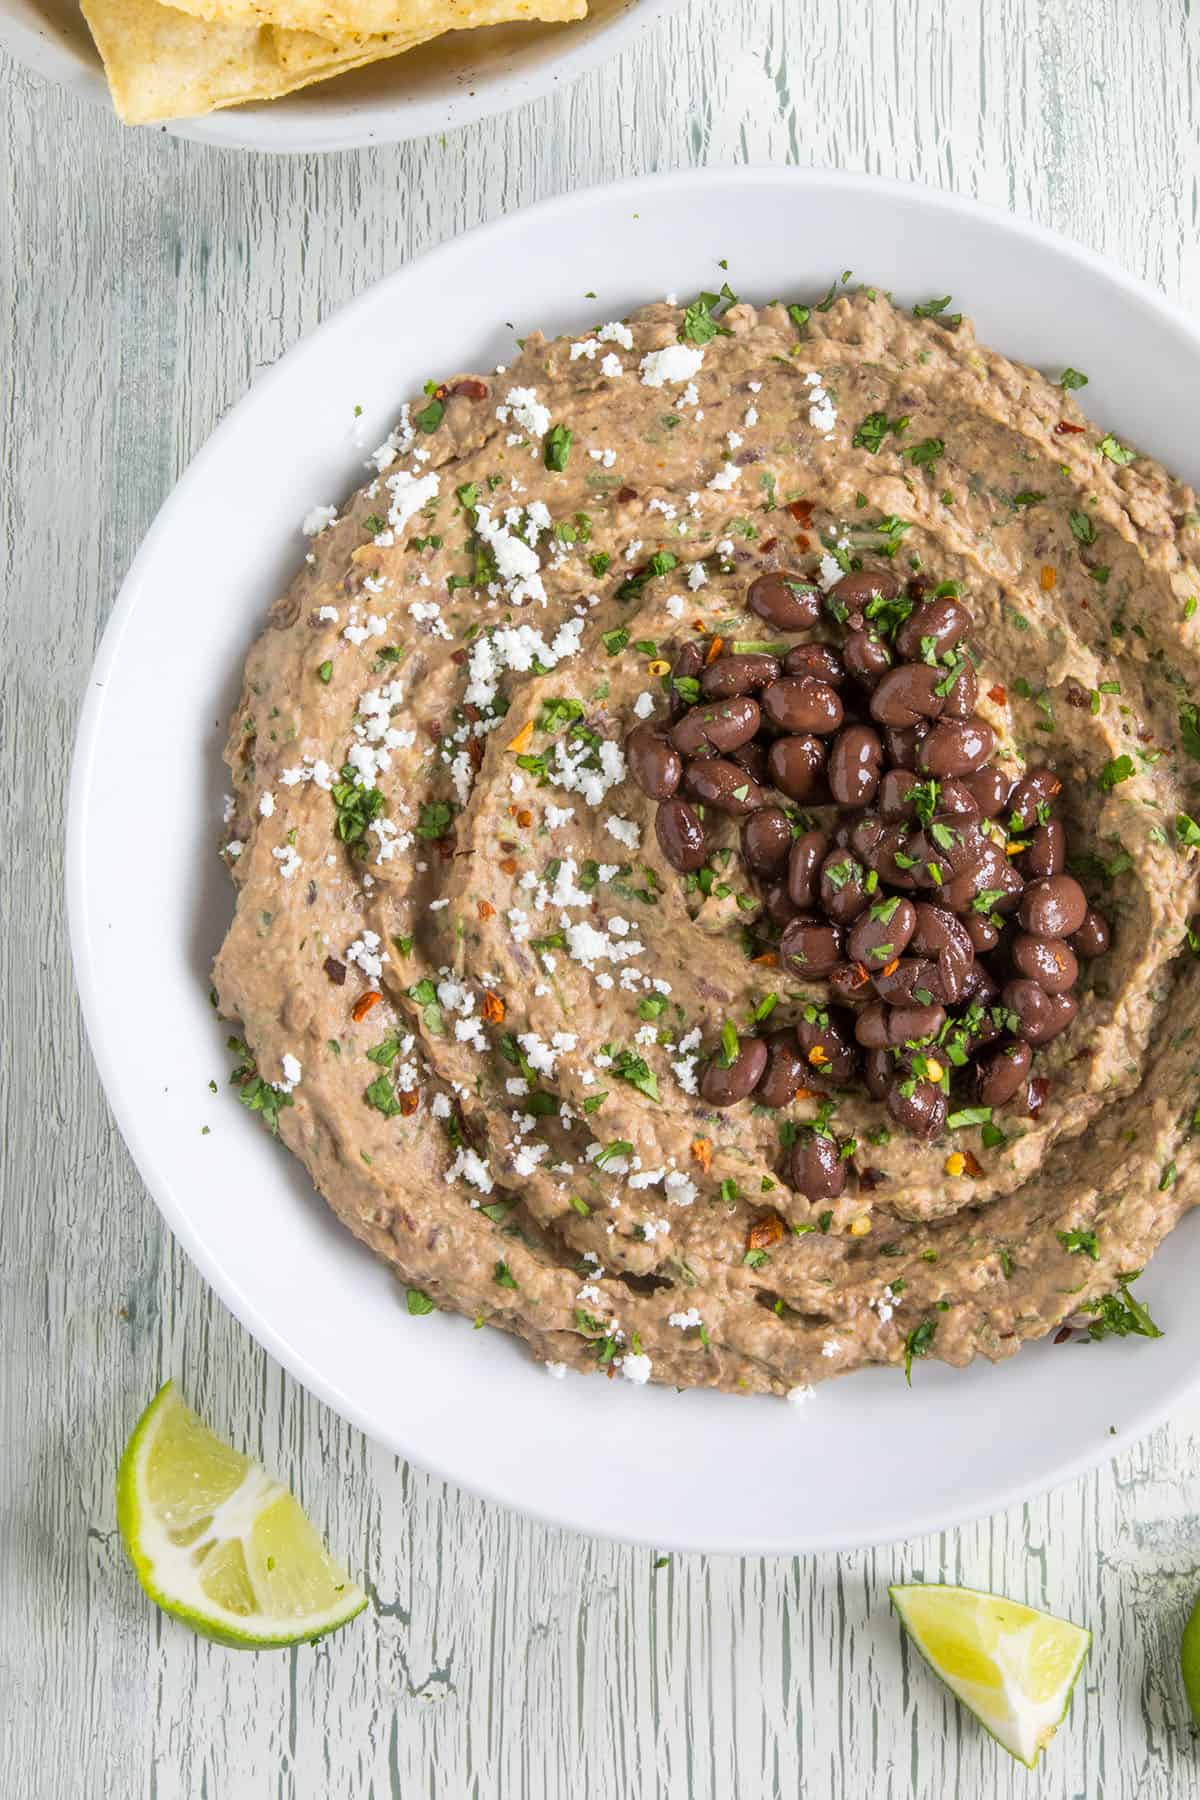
(434,728)
(486,910)
(768,960)
(765,1231)
(770,544)
(889,968)
(493,1008)
(508,865)
(410,1099)
(1065,429)
(1039,1087)
(471,388)
(364,1003)
(459,657)
(972,1165)
(475,753)
(998,694)
(524,818)
(714,649)
(440,391)
(625,494)
(801,511)
(803,541)
(702,1151)
(335,970)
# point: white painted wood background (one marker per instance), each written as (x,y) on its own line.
(143,283)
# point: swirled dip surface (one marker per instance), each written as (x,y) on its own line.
(476,998)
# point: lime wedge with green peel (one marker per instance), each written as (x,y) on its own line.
(1189,1659)
(219,1543)
(1011,1666)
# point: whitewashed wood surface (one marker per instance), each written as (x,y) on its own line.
(143,284)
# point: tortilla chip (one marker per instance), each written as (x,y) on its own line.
(302,49)
(349,22)
(162,63)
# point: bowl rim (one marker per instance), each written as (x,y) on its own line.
(159,1184)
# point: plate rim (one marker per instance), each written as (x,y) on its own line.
(159,1184)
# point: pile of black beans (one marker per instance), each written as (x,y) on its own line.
(920,884)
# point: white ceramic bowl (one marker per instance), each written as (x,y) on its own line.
(463,76)
(867,1459)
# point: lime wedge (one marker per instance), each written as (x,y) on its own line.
(1014,1668)
(219,1543)
(1189,1659)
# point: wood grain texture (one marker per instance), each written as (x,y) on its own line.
(143,284)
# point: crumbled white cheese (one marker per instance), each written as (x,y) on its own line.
(677,362)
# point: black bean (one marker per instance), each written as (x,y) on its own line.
(945,621)
(895,800)
(808,852)
(1055,906)
(816,1167)
(817,660)
(785,1071)
(906,697)
(767,842)
(654,763)
(827,1049)
(744,674)
(982,933)
(882,934)
(918,1106)
(788,602)
(939,934)
(680,835)
(866,656)
(726,786)
(951,842)
(720,725)
(878,1068)
(962,693)
(843,887)
(855,763)
(1001,1073)
(1040,1016)
(800,703)
(992,873)
(893,844)
(1092,937)
(847,599)
(864,836)
(913,1024)
(908,981)
(1047,852)
(778,904)
(990,787)
(957,747)
(956,797)
(810,946)
(725,1086)
(872,1026)
(903,742)
(1039,788)
(1048,961)
(688,665)
(796,766)
(753,757)
(850,983)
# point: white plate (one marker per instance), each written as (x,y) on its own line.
(867,1459)
(463,76)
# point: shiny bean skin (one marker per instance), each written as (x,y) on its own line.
(962,695)
(725,786)
(894,800)
(721,725)
(796,766)
(745,674)
(1054,907)
(945,621)
(654,763)
(921,1113)
(939,934)
(800,703)
(1048,961)
(767,842)
(850,983)
(843,892)
(855,763)
(810,947)
(1040,787)
(817,660)
(859,586)
(785,1071)
(908,981)
(753,758)
(982,933)
(878,1069)
(689,665)
(1047,852)
(1002,1072)
(956,797)
(778,904)
(827,1051)
(807,854)
(867,657)
(905,696)
(876,940)
(902,744)
(787,602)
(1040,1016)
(1092,937)
(956,747)
(816,1167)
(680,835)
(990,788)
(721,1086)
